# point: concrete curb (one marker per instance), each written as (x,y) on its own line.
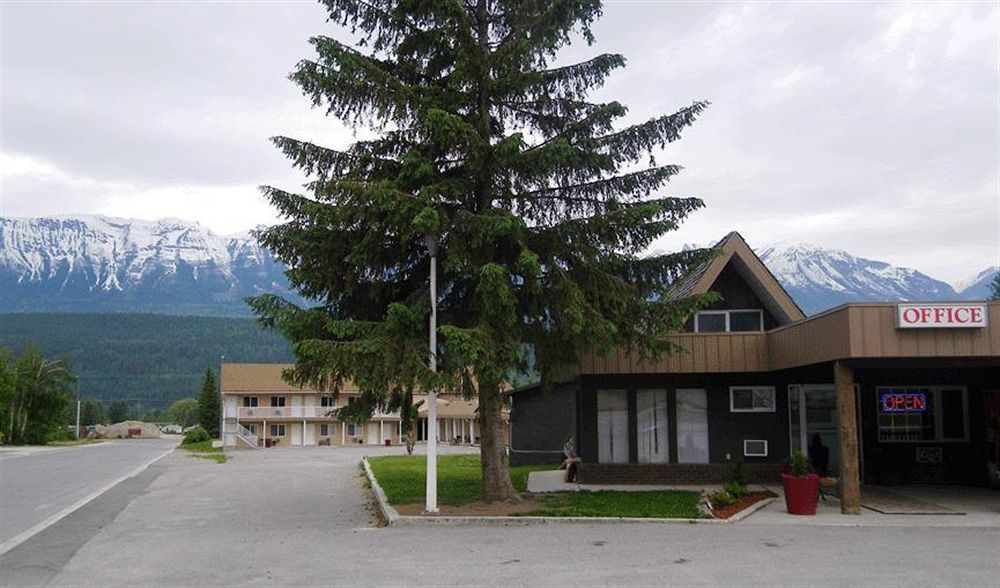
(390,514)
(397,520)
(32,531)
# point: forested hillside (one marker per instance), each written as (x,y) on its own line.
(149,360)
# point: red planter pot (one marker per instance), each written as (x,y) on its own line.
(801,494)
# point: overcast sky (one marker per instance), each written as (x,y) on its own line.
(869,127)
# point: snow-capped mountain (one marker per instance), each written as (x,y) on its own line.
(819,278)
(977,287)
(86,263)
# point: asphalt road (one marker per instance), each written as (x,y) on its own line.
(299,517)
(37,484)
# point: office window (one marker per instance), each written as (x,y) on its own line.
(751,399)
(277,430)
(652,429)
(277,401)
(729,321)
(612,426)
(692,426)
(250,401)
(922,413)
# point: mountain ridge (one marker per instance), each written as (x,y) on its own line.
(99,263)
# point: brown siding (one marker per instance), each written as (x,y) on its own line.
(704,353)
(854,331)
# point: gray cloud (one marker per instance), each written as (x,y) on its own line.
(870,127)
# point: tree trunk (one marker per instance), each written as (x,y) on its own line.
(496,482)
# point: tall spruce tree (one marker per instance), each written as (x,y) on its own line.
(540,206)
(209,404)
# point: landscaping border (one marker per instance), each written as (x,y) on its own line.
(393,518)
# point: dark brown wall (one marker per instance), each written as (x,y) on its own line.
(735,295)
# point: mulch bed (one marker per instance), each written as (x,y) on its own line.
(743,502)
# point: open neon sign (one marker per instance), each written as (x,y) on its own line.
(904,402)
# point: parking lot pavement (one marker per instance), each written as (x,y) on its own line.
(298,516)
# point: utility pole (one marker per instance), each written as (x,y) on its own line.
(431,506)
(77,435)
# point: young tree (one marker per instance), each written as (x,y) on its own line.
(35,392)
(209,404)
(91,412)
(538,202)
(186,411)
(117,412)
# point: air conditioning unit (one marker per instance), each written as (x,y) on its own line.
(754,448)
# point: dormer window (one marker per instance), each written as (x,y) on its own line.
(729,321)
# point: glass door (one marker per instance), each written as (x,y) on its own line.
(812,415)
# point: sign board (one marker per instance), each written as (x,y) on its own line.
(903,402)
(941,316)
(930,455)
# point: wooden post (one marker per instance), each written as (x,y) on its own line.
(850,482)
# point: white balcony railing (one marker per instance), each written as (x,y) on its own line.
(292,412)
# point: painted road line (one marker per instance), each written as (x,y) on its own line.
(31,532)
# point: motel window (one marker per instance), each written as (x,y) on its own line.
(327,402)
(751,399)
(251,401)
(353,430)
(729,321)
(277,430)
(612,426)
(922,413)
(325,430)
(277,401)
(252,428)
(652,429)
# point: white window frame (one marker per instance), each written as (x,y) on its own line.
(250,402)
(726,313)
(284,401)
(752,389)
(353,430)
(274,427)
(252,427)
(325,427)
(746,452)
(935,399)
(327,398)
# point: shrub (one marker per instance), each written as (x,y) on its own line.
(738,473)
(798,464)
(59,434)
(196,435)
(735,489)
(721,498)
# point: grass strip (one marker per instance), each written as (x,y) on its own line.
(204,450)
(665,504)
(403,478)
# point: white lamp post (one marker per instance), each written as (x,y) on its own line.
(431,505)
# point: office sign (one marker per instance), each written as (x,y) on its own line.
(940,316)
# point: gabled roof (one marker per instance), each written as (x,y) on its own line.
(734,250)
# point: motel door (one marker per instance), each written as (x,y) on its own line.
(812,416)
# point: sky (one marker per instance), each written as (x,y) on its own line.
(872,127)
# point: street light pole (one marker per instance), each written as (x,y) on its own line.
(431,506)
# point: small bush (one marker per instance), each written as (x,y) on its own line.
(196,435)
(736,490)
(798,464)
(721,498)
(56,434)
(738,473)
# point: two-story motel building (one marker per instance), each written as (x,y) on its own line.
(261,409)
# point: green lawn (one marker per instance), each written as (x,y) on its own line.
(204,450)
(403,478)
(607,503)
